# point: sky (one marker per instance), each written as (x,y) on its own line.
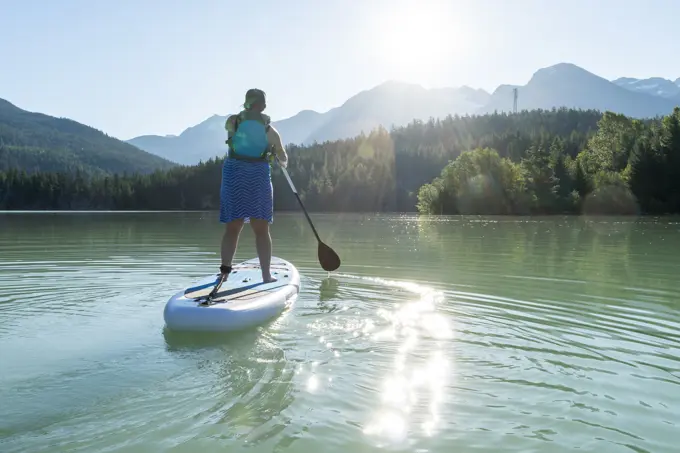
(138,67)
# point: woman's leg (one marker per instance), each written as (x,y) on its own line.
(263,244)
(232,231)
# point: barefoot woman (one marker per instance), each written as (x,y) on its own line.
(246,195)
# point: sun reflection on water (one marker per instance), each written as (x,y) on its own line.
(413,389)
(312,383)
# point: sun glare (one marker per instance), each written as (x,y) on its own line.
(416,38)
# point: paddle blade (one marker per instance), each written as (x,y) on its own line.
(328,259)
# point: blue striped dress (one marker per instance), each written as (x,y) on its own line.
(246,192)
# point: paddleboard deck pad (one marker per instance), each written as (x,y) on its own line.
(243,300)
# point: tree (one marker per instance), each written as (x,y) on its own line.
(540,179)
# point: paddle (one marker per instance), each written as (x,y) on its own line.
(328,259)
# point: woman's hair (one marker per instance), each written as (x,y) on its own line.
(254,96)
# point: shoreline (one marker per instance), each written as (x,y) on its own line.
(374,213)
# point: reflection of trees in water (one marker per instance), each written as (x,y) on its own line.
(567,247)
(589,248)
(329,289)
(295,224)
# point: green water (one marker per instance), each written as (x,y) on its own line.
(455,335)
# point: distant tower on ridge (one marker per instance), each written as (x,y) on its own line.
(514,104)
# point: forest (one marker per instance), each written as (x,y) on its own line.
(556,161)
(41,143)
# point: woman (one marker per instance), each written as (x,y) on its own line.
(246,195)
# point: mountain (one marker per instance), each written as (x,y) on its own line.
(656,86)
(200,142)
(396,104)
(38,142)
(567,85)
(388,104)
(206,139)
(296,129)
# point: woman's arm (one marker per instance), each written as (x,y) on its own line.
(230,125)
(277,145)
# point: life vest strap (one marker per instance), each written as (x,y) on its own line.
(233,155)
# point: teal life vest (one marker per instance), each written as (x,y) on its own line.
(249,140)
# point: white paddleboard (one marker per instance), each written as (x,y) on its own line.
(242,301)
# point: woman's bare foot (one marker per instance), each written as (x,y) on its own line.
(269,279)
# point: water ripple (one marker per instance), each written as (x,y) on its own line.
(535,335)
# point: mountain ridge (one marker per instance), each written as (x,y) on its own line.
(394,103)
(34,141)
(358,113)
(568,85)
(657,86)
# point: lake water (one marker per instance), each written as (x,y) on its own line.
(442,335)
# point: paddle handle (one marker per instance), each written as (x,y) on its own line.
(292,186)
(290,181)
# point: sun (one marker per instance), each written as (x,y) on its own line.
(417,37)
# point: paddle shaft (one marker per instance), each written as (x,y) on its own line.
(292,186)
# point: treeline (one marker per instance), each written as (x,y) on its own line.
(627,166)
(563,160)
